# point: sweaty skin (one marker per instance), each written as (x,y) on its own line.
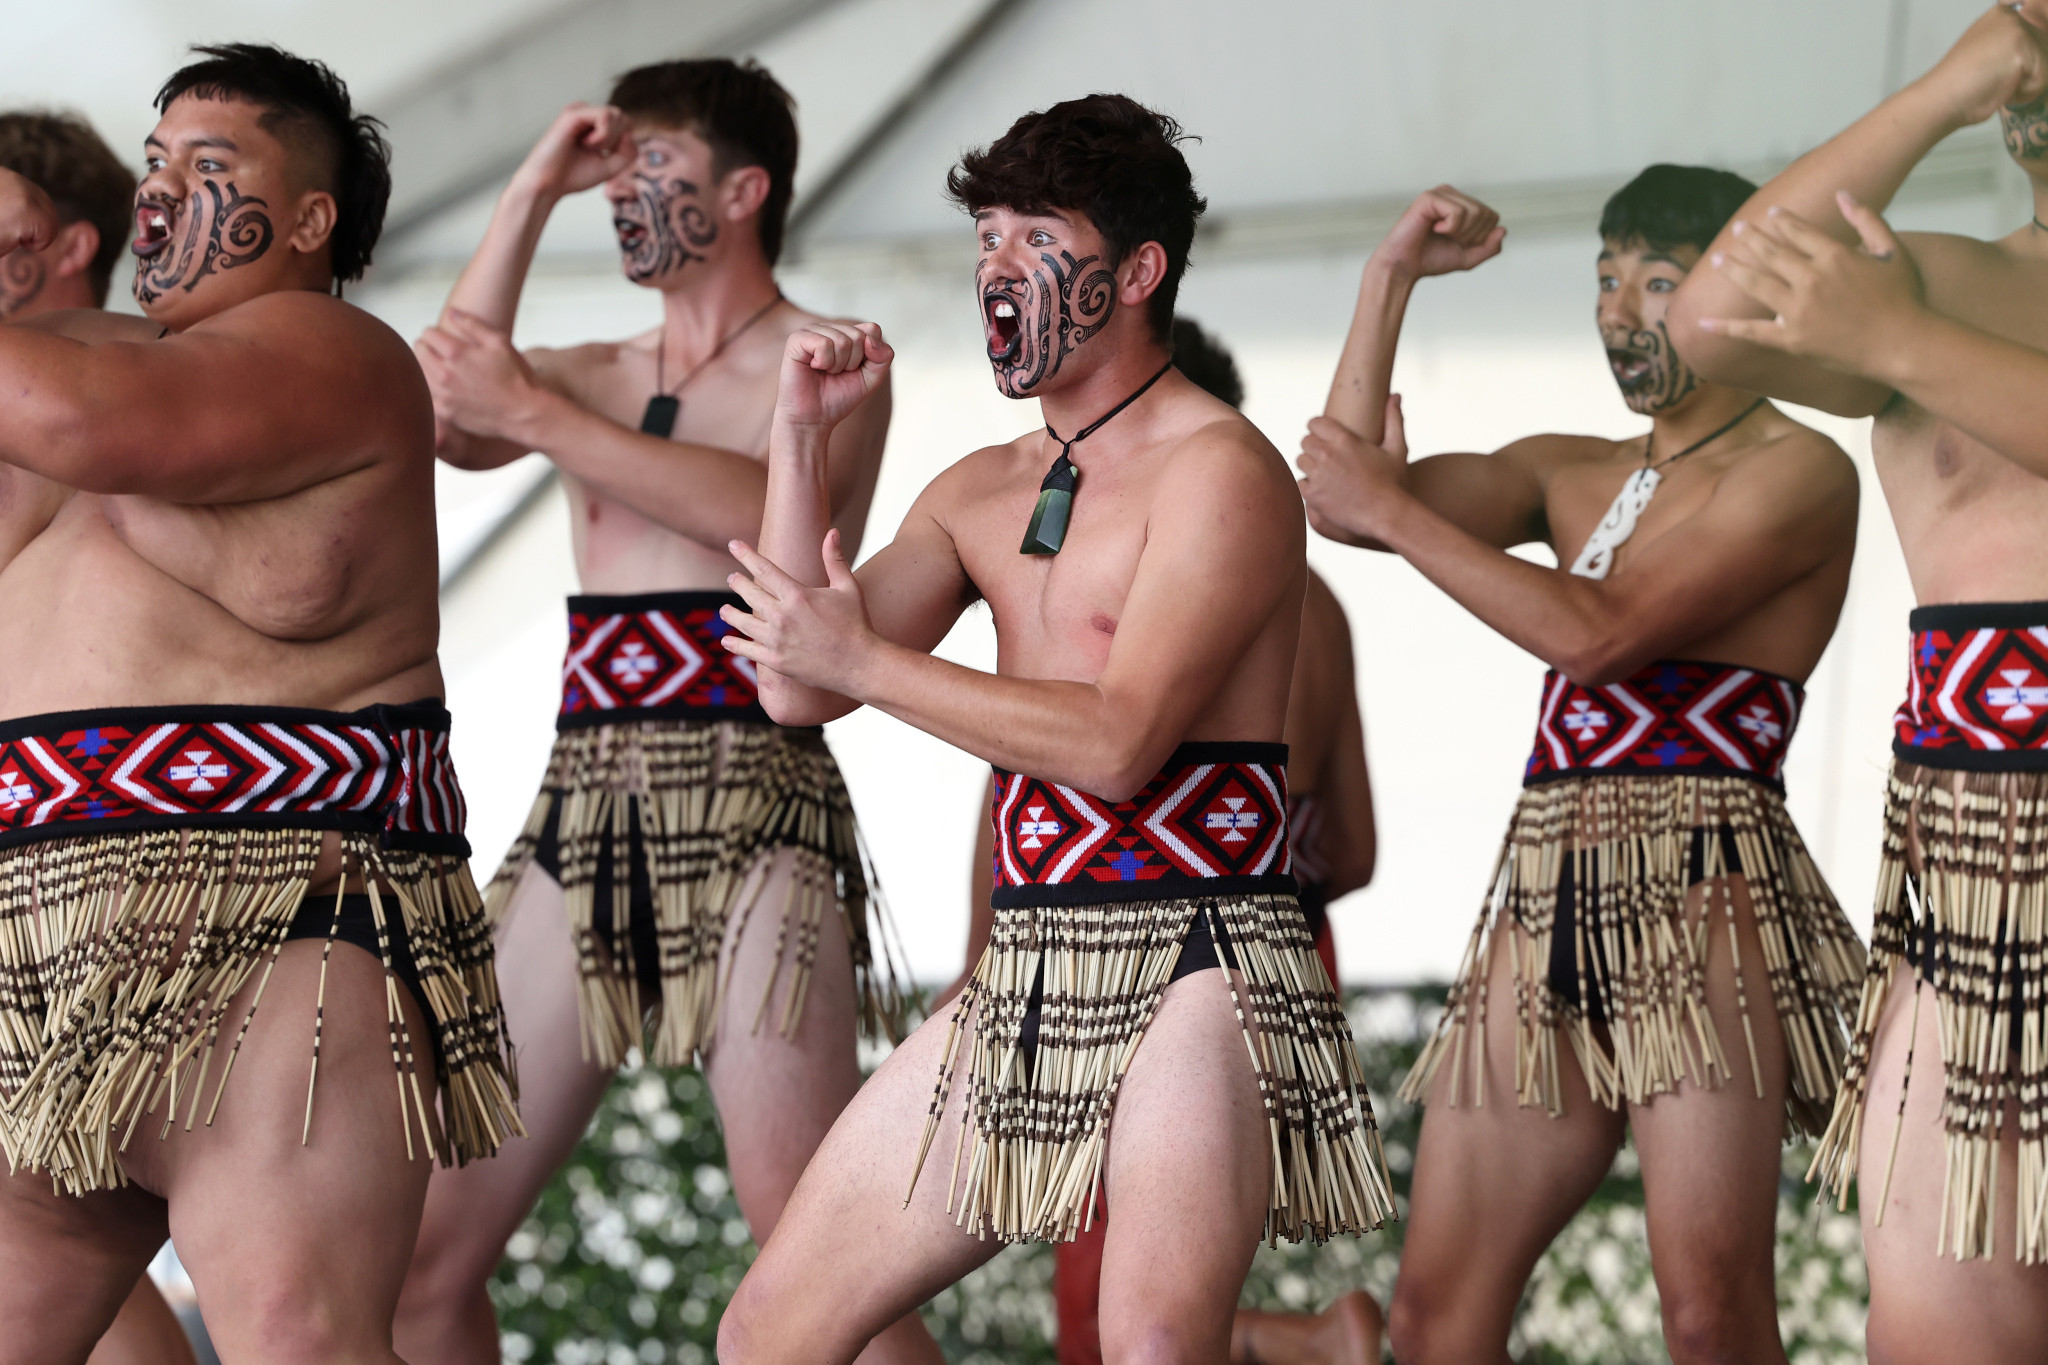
(1182,507)
(1741,557)
(1945,339)
(228,502)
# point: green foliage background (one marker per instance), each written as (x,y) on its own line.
(637,1245)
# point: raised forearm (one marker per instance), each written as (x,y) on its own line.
(706,494)
(489,286)
(1994,389)
(796,511)
(1358,391)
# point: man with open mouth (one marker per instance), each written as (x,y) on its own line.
(224,780)
(1944,339)
(1658,954)
(1149,1021)
(689,883)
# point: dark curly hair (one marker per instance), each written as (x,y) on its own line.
(1206,363)
(742,113)
(1107,156)
(306,106)
(1672,206)
(75,167)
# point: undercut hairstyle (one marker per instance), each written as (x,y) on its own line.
(74,166)
(306,107)
(1106,156)
(1205,362)
(742,113)
(1674,206)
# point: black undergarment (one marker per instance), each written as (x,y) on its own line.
(1564,969)
(547,854)
(315,918)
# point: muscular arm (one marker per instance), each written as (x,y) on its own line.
(1231,534)
(1323,711)
(1773,520)
(1994,389)
(1994,60)
(273,396)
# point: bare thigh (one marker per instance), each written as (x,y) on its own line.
(472,1211)
(847,1257)
(147,1332)
(1494,1184)
(1189,1175)
(297,1232)
(67,1264)
(1711,1161)
(778,1094)
(1925,1306)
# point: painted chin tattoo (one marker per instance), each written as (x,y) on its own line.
(664,228)
(223,229)
(1033,325)
(2026,130)
(22,277)
(1647,367)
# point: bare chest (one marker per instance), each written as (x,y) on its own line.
(1577,500)
(1057,615)
(1970,520)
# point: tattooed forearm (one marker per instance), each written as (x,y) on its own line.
(2026,130)
(663,228)
(22,276)
(1034,325)
(223,229)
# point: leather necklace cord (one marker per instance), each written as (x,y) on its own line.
(1048,528)
(1716,434)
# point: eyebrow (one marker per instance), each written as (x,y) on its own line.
(225,144)
(1054,214)
(1663,257)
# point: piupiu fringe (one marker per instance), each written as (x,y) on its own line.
(1630,842)
(1034,1128)
(119,957)
(708,800)
(1965,855)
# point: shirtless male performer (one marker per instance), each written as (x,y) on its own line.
(1653,903)
(689,882)
(1945,338)
(94,198)
(217,599)
(1332,839)
(1146,592)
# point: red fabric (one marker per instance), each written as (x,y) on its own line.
(1671,716)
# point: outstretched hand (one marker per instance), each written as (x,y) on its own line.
(1843,306)
(28,220)
(827,369)
(819,637)
(480,382)
(1348,483)
(1444,231)
(585,146)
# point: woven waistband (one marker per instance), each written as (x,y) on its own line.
(1213,822)
(382,770)
(1976,688)
(1672,717)
(653,656)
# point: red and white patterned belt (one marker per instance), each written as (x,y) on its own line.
(1213,822)
(1976,688)
(1673,717)
(383,770)
(653,656)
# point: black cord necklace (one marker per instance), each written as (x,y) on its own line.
(2041,225)
(1716,434)
(1048,528)
(663,408)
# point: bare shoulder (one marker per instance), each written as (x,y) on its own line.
(569,369)
(93,325)
(1550,452)
(1794,462)
(1322,617)
(304,322)
(1224,454)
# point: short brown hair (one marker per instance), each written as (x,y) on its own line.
(740,111)
(75,167)
(1107,156)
